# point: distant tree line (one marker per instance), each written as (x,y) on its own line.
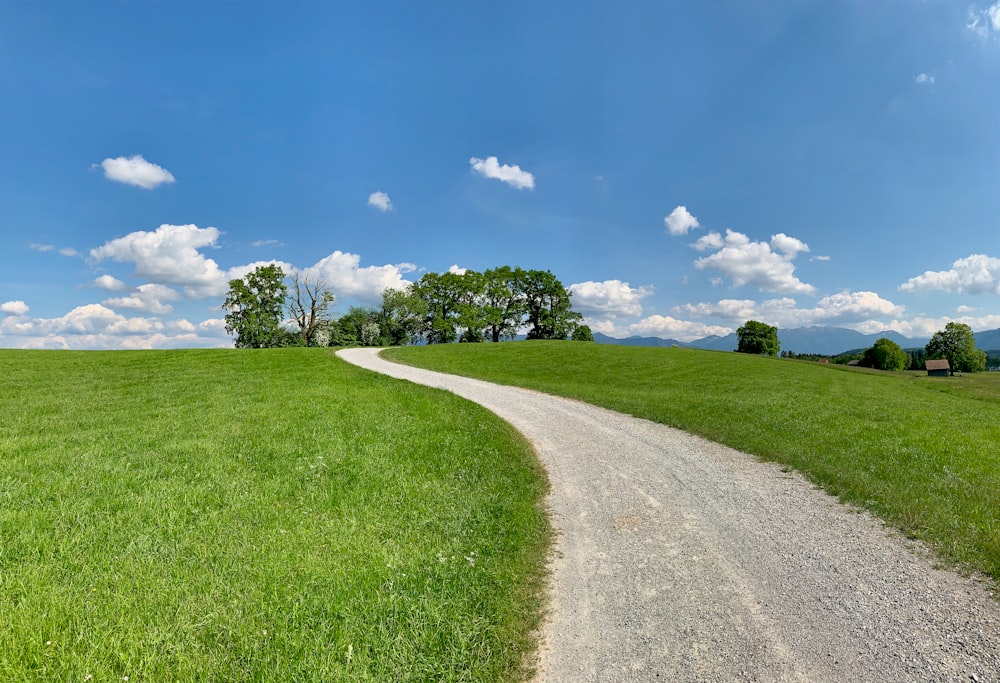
(955,342)
(439,308)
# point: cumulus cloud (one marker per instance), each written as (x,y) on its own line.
(976,274)
(609,299)
(755,263)
(490,167)
(381,201)
(149,297)
(680,221)
(14,308)
(94,326)
(843,309)
(343,273)
(136,171)
(109,283)
(454,268)
(984,22)
(170,255)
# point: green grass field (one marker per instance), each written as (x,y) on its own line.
(922,453)
(258,516)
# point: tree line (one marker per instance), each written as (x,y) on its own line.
(262,310)
(955,342)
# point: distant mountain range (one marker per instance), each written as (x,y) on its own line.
(828,341)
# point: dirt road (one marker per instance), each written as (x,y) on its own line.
(678,559)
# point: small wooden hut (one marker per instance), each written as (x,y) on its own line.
(938,368)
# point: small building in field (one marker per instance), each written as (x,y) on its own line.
(938,368)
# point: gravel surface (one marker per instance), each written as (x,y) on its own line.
(678,559)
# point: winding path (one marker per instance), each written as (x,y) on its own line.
(678,559)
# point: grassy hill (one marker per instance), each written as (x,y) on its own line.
(921,452)
(258,516)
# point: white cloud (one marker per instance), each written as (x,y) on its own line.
(264,243)
(755,263)
(109,283)
(136,171)
(381,201)
(69,251)
(344,275)
(149,297)
(169,255)
(14,307)
(925,79)
(680,221)
(820,258)
(712,240)
(512,175)
(984,22)
(454,268)
(95,326)
(790,245)
(976,274)
(35,246)
(965,309)
(609,299)
(843,309)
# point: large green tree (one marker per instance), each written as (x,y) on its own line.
(550,314)
(885,355)
(443,294)
(957,343)
(503,302)
(757,337)
(401,316)
(254,306)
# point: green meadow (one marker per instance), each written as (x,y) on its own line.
(274,515)
(923,453)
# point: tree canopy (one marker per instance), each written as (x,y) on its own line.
(473,307)
(255,304)
(957,343)
(757,337)
(439,308)
(885,355)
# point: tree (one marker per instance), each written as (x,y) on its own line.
(757,337)
(348,329)
(255,304)
(503,302)
(442,295)
(309,304)
(400,317)
(548,307)
(885,355)
(957,343)
(583,333)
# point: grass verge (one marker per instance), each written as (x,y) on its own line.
(922,453)
(258,516)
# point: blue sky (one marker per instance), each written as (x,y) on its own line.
(681,166)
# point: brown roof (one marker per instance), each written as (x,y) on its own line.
(941,364)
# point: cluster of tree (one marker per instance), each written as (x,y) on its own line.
(439,308)
(494,305)
(955,342)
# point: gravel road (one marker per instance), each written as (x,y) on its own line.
(678,559)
